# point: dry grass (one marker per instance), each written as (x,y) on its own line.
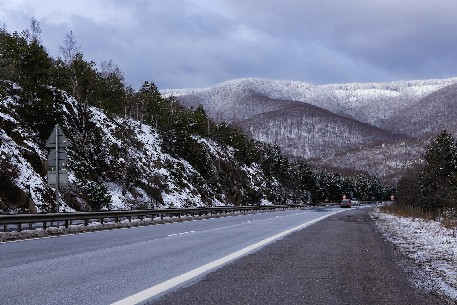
(447,217)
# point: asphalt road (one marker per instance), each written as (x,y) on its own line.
(107,266)
(340,261)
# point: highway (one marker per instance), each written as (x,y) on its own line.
(109,266)
(341,260)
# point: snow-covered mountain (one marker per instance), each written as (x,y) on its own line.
(428,116)
(367,102)
(346,122)
(308,131)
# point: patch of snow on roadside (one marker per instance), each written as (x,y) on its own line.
(429,244)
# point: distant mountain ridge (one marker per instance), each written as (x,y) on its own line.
(330,121)
(430,115)
(367,102)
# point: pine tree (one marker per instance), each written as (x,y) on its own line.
(438,179)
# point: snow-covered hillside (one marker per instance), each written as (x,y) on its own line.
(367,102)
(20,162)
(312,132)
(429,116)
(268,110)
(385,160)
(113,159)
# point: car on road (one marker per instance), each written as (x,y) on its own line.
(355,202)
(345,203)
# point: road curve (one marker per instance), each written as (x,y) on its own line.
(108,266)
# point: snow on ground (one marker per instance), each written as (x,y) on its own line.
(28,180)
(431,246)
(215,149)
(265,202)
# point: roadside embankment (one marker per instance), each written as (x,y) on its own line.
(431,245)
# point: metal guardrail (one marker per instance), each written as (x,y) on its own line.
(19,220)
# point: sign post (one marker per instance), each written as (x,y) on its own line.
(57,157)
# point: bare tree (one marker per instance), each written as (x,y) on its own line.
(3,27)
(69,51)
(35,29)
(70,48)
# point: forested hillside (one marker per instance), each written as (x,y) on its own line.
(388,160)
(133,148)
(363,126)
(429,116)
(308,131)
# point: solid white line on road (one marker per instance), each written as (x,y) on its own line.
(180,279)
(179,234)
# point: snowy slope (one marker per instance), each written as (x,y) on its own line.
(309,131)
(366,102)
(267,109)
(120,157)
(385,160)
(19,156)
(158,179)
(430,115)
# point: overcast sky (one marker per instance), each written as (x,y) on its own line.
(196,43)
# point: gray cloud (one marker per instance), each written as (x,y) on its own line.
(193,43)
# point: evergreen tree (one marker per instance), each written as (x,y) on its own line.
(438,179)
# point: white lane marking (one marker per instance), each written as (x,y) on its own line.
(180,279)
(179,234)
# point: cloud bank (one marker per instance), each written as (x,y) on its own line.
(196,43)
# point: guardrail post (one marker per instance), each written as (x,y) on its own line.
(5,228)
(19,227)
(117,219)
(44,225)
(86,222)
(67,223)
